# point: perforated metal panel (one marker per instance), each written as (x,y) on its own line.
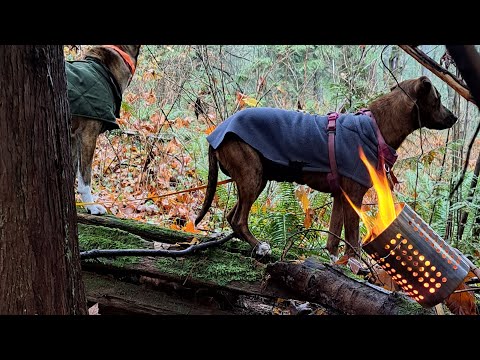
(419,261)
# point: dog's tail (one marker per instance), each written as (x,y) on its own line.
(211,185)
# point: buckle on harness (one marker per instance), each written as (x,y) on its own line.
(332,118)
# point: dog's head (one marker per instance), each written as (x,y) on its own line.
(433,114)
(121,60)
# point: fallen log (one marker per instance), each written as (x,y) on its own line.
(327,285)
(146,231)
(220,271)
(143,288)
(116,297)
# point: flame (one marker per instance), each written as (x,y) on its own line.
(387,212)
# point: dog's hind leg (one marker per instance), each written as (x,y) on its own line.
(234,155)
(335,228)
(85,133)
(239,219)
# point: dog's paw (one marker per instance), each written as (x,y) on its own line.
(263,249)
(96,209)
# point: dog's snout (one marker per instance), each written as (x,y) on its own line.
(452,119)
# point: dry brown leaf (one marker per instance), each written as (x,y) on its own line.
(343,260)
(240,98)
(301,195)
(462,303)
(210,129)
(384,280)
(174,227)
(190,227)
(150,97)
(307,222)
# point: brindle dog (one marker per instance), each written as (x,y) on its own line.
(113,69)
(410,105)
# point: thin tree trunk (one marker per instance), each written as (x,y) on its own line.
(471,193)
(453,217)
(39,257)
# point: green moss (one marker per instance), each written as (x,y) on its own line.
(406,307)
(213,265)
(149,231)
(100,237)
(238,245)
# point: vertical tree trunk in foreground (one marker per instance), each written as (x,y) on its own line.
(39,260)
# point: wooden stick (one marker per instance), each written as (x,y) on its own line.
(450,79)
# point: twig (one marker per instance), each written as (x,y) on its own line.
(95,253)
(463,290)
(335,235)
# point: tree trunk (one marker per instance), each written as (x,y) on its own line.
(39,257)
(393,65)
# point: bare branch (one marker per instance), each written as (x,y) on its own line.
(451,80)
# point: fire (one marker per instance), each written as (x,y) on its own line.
(387,212)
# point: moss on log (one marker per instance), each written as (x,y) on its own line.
(146,231)
(218,269)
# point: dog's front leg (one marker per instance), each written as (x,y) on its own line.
(87,141)
(85,191)
(351,219)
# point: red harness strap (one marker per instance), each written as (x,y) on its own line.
(332,176)
(386,158)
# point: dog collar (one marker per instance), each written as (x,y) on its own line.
(125,57)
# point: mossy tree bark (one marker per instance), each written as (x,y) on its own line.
(39,259)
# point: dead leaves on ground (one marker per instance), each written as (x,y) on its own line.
(134,171)
(462,303)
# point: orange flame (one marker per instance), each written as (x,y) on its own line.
(387,211)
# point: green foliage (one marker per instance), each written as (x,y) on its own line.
(280,222)
(430,196)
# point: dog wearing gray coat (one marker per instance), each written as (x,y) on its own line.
(249,154)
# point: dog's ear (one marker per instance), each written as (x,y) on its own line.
(423,86)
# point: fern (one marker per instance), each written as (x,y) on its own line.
(285,217)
